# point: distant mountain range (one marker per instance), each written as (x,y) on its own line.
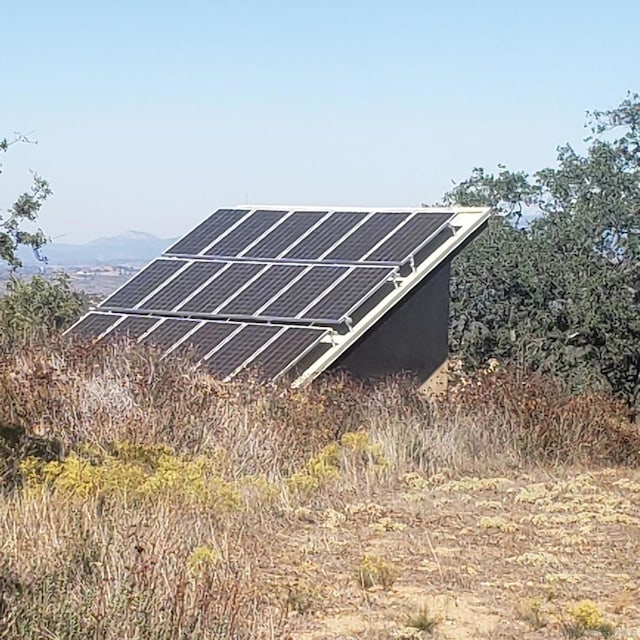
(129,248)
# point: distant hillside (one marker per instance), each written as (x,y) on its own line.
(131,247)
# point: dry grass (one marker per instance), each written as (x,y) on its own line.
(141,501)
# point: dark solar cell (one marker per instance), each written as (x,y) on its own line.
(227,283)
(286,349)
(325,236)
(185,283)
(93,324)
(241,347)
(311,286)
(409,237)
(212,333)
(249,300)
(244,234)
(206,232)
(144,283)
(285,234)
(349,292)
(133,326)
(165,335)
(367,236)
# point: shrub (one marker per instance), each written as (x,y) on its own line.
(354,451)
(39,308)
(68,395)
(138,475)
(423,620)
(543,420)
(586,617)
(374,571)
(17,445)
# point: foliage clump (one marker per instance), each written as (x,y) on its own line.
(354,448)
(424,620)
(133,474)
(39,307)
(546,421)
(374,571)
(585,617)
(25,209)
(202,558)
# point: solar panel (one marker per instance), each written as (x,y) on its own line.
(311,285)
(331,231)
(261,289)
(285,234)
(225,284)
(236,242)
(185,283)
(346,236)
(279,289)
(267,350)
(133,326)
(210,334)
(408,237)
(240,348)
(374,230)
(94,324)
(169,331)
(144,283)
(348,292)
(286,350)
(248,300)
(208,231)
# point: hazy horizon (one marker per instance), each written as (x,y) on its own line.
(150,116)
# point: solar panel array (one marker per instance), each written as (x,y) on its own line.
(266,289)
(344,236)
(260,290)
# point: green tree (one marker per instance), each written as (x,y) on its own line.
(37,307)
(562,293)
(24,209)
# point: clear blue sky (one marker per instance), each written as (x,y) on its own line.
(151,114)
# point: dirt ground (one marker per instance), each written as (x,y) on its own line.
(496,557)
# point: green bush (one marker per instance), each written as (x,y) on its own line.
(39,307)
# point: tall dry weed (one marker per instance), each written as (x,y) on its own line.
(64,395)
(538,418)
(145,500)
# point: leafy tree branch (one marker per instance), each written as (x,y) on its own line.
(25,209)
